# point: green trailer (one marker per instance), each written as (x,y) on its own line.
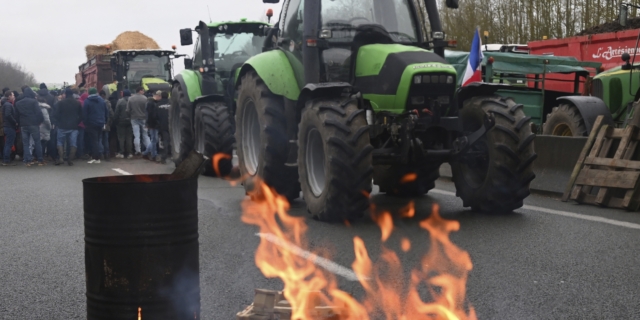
(549,87)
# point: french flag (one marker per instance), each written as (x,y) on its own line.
(474,65)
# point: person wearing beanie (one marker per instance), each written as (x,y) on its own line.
(94,116)
(67,114)
(30,118)
(122,119)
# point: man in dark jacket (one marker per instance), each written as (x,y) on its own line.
(162,116)
(152,124)
(94,116)
(123,126)
(137,108)
(104,137)
(9,124)
(68,114)
(30,118)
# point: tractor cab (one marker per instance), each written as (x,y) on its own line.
(150,69)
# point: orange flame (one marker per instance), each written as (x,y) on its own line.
(139,313)
(216,162)
(444,268)
(409,177)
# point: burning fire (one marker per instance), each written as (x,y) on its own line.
(139,313)
(444,269)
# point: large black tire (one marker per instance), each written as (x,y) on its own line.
(496,179)
(261,138)
(180,124)
(335,160)
(214,134)
(565,120)
(390,179)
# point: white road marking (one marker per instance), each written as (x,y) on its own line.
(629,225)
(122,172)
(319,261)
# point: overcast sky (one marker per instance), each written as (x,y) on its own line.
(48,37)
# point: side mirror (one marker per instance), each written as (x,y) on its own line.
(188,64)
(270,1)
(186,38)
(453,4)
(624,14)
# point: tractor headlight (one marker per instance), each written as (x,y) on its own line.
(417,100)
(434,79)
(443,79)
(449,79)
(417,79)
(426,79)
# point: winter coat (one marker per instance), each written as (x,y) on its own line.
(44,93)
(109,118)
(122,115)
(163,114)
(137,107)
(152,114)
(113,99)
(45,127)
(94,111)
(68,114)
(9,116)
(29,110)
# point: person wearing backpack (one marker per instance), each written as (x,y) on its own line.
(122,119)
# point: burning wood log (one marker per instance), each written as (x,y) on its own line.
(272,305)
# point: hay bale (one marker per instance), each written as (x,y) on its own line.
(94,50)
(128,40)
(134,40)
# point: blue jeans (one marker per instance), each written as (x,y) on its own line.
(80,143)
(153,148)
(104,144)
(63,135)
(28,133)
(9,140)
(137,125)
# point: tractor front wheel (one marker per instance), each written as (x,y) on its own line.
(180,124)
(565,120)
(214,134)
(495,173)
(261,138)
(335,159)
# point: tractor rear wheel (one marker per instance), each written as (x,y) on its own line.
(494,175)
(214,134)
(335,159)
(261,138)
(180,124)
(406,180)
(566,121)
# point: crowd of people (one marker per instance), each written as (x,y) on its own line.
(60,127)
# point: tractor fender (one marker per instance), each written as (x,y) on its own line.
(325,89)
(590,108)
(209,98)
(480,89)
(274,68)
(190,81)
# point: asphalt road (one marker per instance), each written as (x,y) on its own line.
(549,260)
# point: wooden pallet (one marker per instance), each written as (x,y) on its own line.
(605,181)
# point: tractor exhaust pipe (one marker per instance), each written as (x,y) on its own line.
(208,65)
(436,25)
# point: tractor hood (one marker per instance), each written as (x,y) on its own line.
(155,84)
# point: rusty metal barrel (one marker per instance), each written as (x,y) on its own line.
(141,247)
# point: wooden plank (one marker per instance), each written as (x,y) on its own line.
(614,163)
(576,170)
(601,150)
(607,178)
(623,148)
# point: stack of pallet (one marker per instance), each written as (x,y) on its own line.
(271,305)
(608,170)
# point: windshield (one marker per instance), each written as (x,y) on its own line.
(147,65)
(233,50)
(343,16)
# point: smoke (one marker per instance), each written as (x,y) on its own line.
(184,294)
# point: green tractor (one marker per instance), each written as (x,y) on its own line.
(349,93)
(619,89)
(203,95)
(549,87)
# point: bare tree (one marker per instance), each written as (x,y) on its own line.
(14,75)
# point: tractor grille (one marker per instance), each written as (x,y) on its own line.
(597,89)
